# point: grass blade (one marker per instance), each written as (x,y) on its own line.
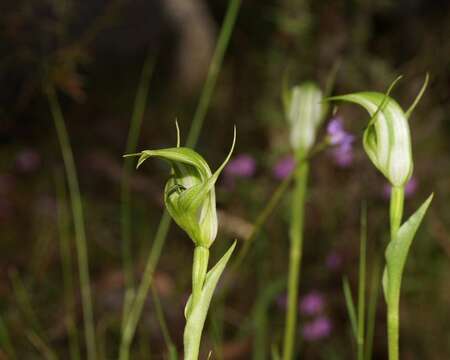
(350,306)
(213,72)
(362,284)
(171,348)
(372,307)
(66,264)
(77,213)
(133,137)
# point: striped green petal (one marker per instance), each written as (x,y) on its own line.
(387,139)
(189,193)
(304,112)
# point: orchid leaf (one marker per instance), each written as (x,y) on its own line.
(398,249)
(195,317)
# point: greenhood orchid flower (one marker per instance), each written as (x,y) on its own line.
(189,194)
(387,139)
(304,111)
(387,142)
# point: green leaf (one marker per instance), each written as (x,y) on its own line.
(398,249)
(196,316)
(350,306)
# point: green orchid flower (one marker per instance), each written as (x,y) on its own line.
(189,194)
(387,138)
(305,112)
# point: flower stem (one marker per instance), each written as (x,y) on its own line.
(393,297)
(396,209)
(295,257)
(199,269)
(393,327)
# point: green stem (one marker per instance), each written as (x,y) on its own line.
(393,325)
(199,270)
(393,298)
(295,257)
(396,209)
(77,212)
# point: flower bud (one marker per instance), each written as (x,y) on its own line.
(387,139)
(189,194)
(304,112)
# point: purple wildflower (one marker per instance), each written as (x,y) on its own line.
(317,329)
(342,141)
(28,160)
(241,166)
(284,167)
(410,188)
(312,303)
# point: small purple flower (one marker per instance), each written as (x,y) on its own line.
(241,166)
(317,329)
(336,133)
(284,167)
(410,188)
(342,151)
(333,261)
(28,160)
(312,303)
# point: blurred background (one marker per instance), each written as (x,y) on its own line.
(94,53)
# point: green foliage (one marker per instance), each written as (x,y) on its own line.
(398,249)
(196,313)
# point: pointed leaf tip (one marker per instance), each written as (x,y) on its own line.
(419,96)
(398,250)
(178,133)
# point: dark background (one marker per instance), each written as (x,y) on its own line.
(94,52)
